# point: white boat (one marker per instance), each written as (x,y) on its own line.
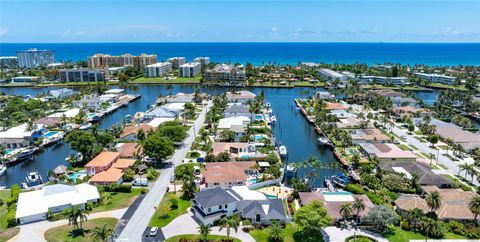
(282,150)
(289,171)
(3,169)
(323,141)
(85,126)
(273,119)
(33,179)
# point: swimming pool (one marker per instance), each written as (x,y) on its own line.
(9,151)
(258,137)
(258,117)
(271,196)
(50,134)
(336,193)
(252,180)
(91,115)
(78,174)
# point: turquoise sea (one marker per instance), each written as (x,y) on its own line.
(285,53)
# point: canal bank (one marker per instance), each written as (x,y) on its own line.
(291,130)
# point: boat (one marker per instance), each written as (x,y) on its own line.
(324,141)
(329,185)
(289,171)
(283,151)
(273,119)
(33,179)
(25,154)
(85,126)
(340,180)
(77,157)
(3,169)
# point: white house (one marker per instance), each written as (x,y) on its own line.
(34,206)
(240,96)
(448,80)
(16,137)
(237,109)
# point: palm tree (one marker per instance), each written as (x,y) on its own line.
(474,207)
(275,231)
(463,167)
(229,223)
(346,210)
(358,205)
(76,216)
(434,201)
(414,216)
(429,226)
(204,231)
(101,233)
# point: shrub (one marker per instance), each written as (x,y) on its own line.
(118,188)
(374,198)
(143,190)
(11,218)
(355,188)
(173,203)
(194,154)
(455,227)
(405,225)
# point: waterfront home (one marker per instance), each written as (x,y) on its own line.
(348,123)
(324,95)
(454,203)
(224,72)
(333,201)
(18,137)
(468,140)
(131,132)
(235,149)
(61,93)
(340,114)
(35,205)
(423,172)
(369,136)
(101,162)
(386,153)
(335,106)
(156,122)
(388,93)
(68,113)
(210,205)
(123,164)
(227,174)
(160,112)
(181,98)
(404,101)
(115,91)
(129,150)
(240,96)
(88,102)
(237,109)
(409,110)
(238,125)
(108,177)
(50,122)
(176,108)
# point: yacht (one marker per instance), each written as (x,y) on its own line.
(273,119)
(25,154)
(85,126)
(340,180)
(3,169)
(323,141)
(289,171)
(283,151)
(33,179)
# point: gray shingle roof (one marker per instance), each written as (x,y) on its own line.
(213,197)
(250,208)
(238,109)
(425,175)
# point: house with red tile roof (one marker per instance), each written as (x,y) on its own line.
(226,174)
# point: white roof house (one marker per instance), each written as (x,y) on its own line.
(34,206)
(18,132)
(69,113)
(227,123)
(158,121)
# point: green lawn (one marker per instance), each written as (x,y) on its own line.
(7,234)
(63,233)
(445,86)
(161,221)
(4,195)
(401,235)
(119,200)
(161,80)
(75,83)
(290,233)
(193,237)
(403,147)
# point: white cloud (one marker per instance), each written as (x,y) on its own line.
(3,31)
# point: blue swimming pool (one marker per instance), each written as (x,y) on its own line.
(252,180)
(50,134)
(258,137)
(74,176)
(9,151)
(337,193)
(258,117)
(271,196)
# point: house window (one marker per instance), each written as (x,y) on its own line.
(226,205)
(220,207)
(209,209)
(257,217)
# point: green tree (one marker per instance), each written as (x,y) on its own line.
(359,206)
(204,231)
(227,135)
(433,228)
(433,139)
(176,133)
(76,216)
(275,233)
(474,207)
(411,127)
(313,216)
(83,142)
(157,147)
(346,210)
(189,188)
(380,216)
(229,223)
(101,233)
(434,201)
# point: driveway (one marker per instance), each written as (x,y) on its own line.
(34,232)
(335,234)
(136,225)
(186,224)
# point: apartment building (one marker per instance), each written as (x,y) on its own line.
(34,58)
(436,78)
(176,61)
(82,75)
(190,69)
(204,61)
(100,61)
(382,80)
(8,61)
(224,72)
(158,69)
(23,79)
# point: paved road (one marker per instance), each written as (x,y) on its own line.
(34,232)
(139,221)
(334,234)
(425,148)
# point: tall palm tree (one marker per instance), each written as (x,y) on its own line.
(474,207)
(275,231)
(101,233)
(429,226)
(358,205)
(434,201)
(346,210)
(463,167)
(204,231)
(229,223)
(76,216)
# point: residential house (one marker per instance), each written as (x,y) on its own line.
(240,96)
(333,201)
(369,136)
(387,153)
(129,150)
(181,98)
(424,174)
(238,125)
(159,112)
(227,174)
(17,137)
(349,123)
(108,177)
(335,106)
(131,132)
(409,110)
(35,205)
(237,109)
(61,93)
(236,150)
(50,122)
(324,95)
(101,162)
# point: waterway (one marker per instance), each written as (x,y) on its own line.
(291,130)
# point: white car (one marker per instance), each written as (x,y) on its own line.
(140,182)
(153,231)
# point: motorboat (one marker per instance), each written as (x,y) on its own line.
(289,171)
(273,119)
(33,179)
(3,169)
(76,157)
(283,151)
(85,126)
(323,141)
(340,180)
(25,154)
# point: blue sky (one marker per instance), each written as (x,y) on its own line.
(240,21)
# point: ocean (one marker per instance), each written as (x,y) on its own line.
(263,53)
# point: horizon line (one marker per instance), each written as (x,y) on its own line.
(239,42)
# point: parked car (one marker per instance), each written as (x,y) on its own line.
(172,179)
(140,182)
(153,231)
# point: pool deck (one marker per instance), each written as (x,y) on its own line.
(280,192)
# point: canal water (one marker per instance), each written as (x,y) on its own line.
(291,130)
